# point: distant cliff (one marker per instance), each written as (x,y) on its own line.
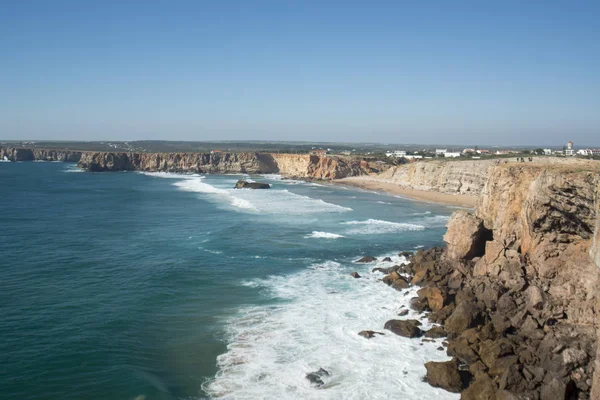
(25,154)
(301,166)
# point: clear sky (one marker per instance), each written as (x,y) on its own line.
(480,72)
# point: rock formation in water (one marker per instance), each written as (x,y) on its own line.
(242,184)
(26,154)
(517,288)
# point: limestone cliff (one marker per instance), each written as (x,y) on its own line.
(27,154)
(534,277)
(301,166)
(461,177)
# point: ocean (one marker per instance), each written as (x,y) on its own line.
(165,286)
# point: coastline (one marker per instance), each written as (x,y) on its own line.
(461,200)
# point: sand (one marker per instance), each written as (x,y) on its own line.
(461,200)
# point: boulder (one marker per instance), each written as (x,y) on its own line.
(483,388)
(434,297)
(242,184)
(466,315)
(465,236)
(444,375)
(367,259)
(369,334)
(389,279)
(315,377)
(418,304)
(387,259)
(436,332)
(404,327)
(400,284)
(355,275)
(386,271)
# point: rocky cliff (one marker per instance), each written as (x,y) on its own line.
(520,282)
(25,154)
(461,177)
(301,166)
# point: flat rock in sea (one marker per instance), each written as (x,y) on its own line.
(242,184)
(367,259)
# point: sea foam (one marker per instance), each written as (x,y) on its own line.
(376,226)
(314,325)
(323,235)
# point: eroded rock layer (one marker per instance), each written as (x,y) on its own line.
(302,166)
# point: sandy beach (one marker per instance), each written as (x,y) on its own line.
(461,200)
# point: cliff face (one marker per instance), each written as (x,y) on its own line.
(20,154)
(179,162)
(462,177)
(535,275)
(290,165)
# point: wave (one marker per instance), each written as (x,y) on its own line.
(270,201)
(172,175)
(271,348)
(383,202)
(323,235)
(376,226)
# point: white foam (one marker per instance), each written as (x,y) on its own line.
(316,323)
(323,235)
(383,202)
(172,175)
(263,201)
(376,226)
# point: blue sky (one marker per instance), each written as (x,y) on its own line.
(453,72)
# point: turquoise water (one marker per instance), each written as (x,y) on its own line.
(162,286)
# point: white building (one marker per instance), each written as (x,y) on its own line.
(440,151)
(397,153)
(413,157)
(588,152)
(569,151)
(451,154)
(547,152)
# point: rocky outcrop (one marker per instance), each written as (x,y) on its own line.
(242,184)
(25,154)
(517,288)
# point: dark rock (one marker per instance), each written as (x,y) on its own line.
(491,350)
(386,271)
(502,364)
(513,380)
(465,316)
(403,313)
(418,304)
(355,275)
(463,351)
(242,184)
(369,334)
(444,375)
(367,259)
(555,390)
(315,377)
(405,254)
(407,328)
(387,259)
(436,332)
